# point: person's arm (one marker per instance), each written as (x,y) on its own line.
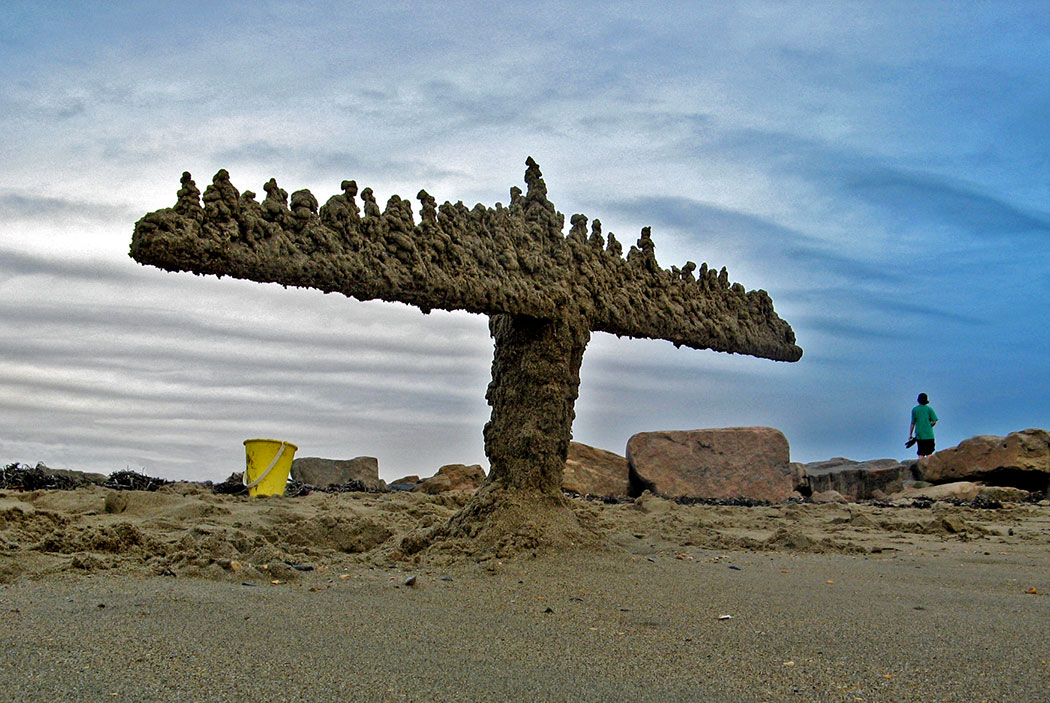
(911,430)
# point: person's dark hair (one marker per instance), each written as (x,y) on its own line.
(923,399)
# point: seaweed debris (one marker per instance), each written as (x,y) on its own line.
(233,486)
(134,481)
(295,488)
(22,478)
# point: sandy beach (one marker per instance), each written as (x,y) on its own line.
(136,596)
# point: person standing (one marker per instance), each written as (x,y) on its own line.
(923,418)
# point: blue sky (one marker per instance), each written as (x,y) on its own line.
(881,168)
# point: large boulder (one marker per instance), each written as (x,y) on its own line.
(1021,459)
(734,462)
(328,472)
(857,480)
(453,477)
(595,472)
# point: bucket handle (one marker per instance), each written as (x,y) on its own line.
(256,482)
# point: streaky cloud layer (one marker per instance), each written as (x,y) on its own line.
(882,170)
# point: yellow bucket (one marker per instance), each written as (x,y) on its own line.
(268,462)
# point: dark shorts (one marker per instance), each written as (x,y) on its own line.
(925,447)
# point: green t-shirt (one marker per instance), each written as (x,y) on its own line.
(923,417)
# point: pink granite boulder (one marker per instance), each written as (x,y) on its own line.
(1020,459)
(734,462)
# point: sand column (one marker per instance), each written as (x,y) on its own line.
(535,383)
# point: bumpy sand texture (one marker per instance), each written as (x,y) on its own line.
(149,595)
(503,260)
(186,530)
(545,293)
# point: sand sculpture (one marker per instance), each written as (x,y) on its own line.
(544,292)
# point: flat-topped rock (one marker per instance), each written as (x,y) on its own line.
(322,473)
(734,462)
(963,490)
(856,480)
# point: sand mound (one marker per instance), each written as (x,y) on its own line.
(187,530)
(503,524)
